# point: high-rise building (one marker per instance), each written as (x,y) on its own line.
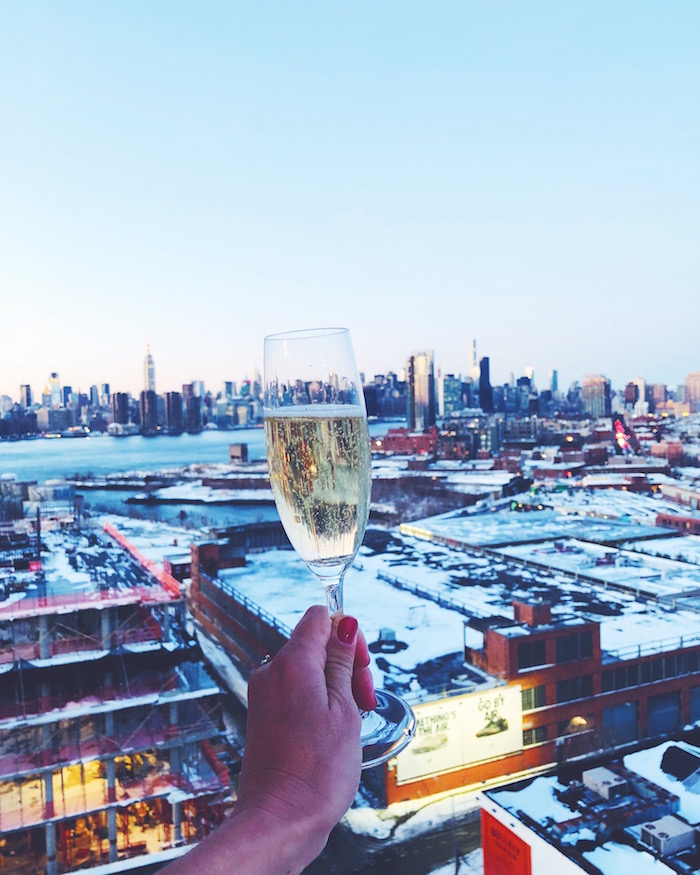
(149,372)
(55,390)
(149,412)
(173,412)
(104,395)
(120,408)
(485,390)
(692,391)
(450,394)
(94,397)
(25,395)
(631,395)
(554,382)
(192,402)
(66,393)
(421,391)
(596,395)
(523,390)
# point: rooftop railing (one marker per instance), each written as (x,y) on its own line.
(649,648)
(253,608)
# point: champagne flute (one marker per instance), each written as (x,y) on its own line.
(319,459)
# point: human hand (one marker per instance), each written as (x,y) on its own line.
(303,757)
(302,761)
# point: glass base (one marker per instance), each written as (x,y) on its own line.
(387,730)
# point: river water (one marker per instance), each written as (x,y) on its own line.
(45,459)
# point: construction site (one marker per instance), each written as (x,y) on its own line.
(111,741)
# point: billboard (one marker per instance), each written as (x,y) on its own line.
(459,731)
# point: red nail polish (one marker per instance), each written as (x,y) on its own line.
(347,629)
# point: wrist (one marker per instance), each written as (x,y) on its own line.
(261,841)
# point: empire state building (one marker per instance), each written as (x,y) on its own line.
(149,372)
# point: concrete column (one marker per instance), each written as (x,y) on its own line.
(175,760)
(44,648)
(106,629)
(177,823)
(112,833)
(111,781)
(48,794)
(50,829)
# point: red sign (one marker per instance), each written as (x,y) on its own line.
(35,565)
(504,852)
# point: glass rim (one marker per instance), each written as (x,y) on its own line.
(306,334)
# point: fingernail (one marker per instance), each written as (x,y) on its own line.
(347,629)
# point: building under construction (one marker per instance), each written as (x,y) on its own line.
(111,749)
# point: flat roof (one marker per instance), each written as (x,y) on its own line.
(610,832)
(496,528)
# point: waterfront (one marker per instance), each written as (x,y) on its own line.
(43,459)
(98,455)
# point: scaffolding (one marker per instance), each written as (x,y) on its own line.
(110,727)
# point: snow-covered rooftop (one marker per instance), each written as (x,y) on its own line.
(606,834)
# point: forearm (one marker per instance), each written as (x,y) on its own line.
(252,842)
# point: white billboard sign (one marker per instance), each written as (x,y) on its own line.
(462,730)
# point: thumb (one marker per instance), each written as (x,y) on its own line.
(340,658)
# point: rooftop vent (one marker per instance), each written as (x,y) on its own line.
(605,783)
(668,835)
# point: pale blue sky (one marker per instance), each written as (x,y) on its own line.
(196,175)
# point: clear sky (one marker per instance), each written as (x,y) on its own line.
(195,175)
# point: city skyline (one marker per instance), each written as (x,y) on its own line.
(198,177)
(54,381)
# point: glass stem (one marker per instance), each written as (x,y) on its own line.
(334,594)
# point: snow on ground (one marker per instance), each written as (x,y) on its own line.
(471,864)
(195,491)
(415,817)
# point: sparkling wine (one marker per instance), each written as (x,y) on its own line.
(319,461)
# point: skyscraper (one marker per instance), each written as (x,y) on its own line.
(149,412)
(451,394)
(421,391)
(485,390)
(25,395)
(55,390)
(596,395)
(173,412)
(120,408)
(149,372)
(192,403)
(692,391)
